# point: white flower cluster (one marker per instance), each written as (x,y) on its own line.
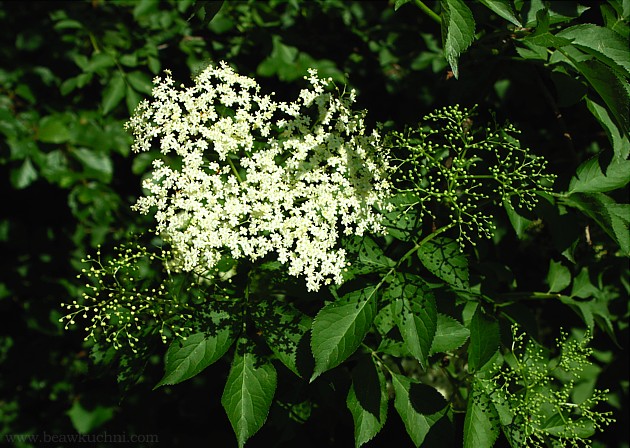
(246,175)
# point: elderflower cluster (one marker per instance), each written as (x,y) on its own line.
(245,175)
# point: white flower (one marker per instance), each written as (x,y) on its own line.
(249,176)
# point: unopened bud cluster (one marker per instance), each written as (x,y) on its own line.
(455,169)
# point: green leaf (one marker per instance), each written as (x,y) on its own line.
(591,177)
(502,8)
(449,335)
(248,394)
(613,89)
(558,277)
(132,98)
(403,221)
(23,176)
(283,328)
(399,3)
(371,254)
(416,317)
(367,400)
(458,31)
(95,163)
(87,420)
(582,286)
(187,358)
(53,129)
(612,217)
(339,328)
(604,44)
(481,427)
(484,339)
(519,223)
(140,81)
(113,93)
(443,258)
(419,406)
(619,141)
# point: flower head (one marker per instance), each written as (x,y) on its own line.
(246,176)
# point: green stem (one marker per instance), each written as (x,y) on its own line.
(410,252)
(528,295)
(428,11)
(234,170)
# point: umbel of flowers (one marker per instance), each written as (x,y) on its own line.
(245,175)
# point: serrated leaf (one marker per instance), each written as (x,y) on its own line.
(502,8)
(419,406)
(582,286)
(609,215)
(248,393)
(449,335)
(458,31)
(132,98)
(185,359)
(402,222)
(23,176)
(95,163)
(113,93)
(443,258)
(53,129)
(367,401)
(592,177)
(519,223)
(140,81)
(603,43)
(558,276)
(283,328)
(619,141)
(481,425)
(415,314)
(339,328)
(371,254)
(613,89)
(484,339)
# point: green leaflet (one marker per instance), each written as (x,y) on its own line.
(23,176)
(612,217)
(248,394)
(185,359)
(449,335)
(416,317)
(519,223)
(484,339)
(458,31)
(113,93)
(53,129)
(443,258)
(558,277)
(419,406)
(618,140)
(613,89)
(481,425)
(592,177)
(283,328)
(367,400)
(339,328)
(502,8)
(606,45)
